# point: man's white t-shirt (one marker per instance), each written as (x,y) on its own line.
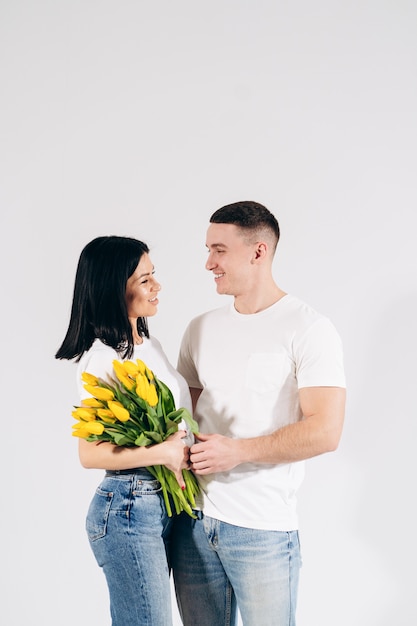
(250,368)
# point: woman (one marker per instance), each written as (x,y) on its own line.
(127,523)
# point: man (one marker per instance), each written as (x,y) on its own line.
(268,387)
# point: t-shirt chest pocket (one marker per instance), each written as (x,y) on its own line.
(266,372)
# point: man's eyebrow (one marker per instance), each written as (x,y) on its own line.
(216,245)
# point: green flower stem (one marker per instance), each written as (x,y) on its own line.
(191,488)
(157,471)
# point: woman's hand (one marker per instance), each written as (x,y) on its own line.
(177,455)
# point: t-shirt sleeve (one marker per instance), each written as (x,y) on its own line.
(319,356)
(98,363)
(186,364)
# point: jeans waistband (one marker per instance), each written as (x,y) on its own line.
(131,471)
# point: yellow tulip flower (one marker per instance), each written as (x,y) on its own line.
(105,413)
(94,428)
(92,402)
(128,382)
(119,368)
(123,375)
(107,419)
(119,411)
(141,366)
(142,387)
(99,392)
(83,434)
(152,395)
(87,415)
(102,413)
(89,378)
(132,369)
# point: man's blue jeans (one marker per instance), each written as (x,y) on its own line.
(128,529)
(219,567)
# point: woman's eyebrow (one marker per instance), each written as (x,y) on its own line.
(147,273)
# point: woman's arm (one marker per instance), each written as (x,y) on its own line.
(102,455)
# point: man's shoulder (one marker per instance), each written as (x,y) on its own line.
(308,323)
(300,316)
(212,313)
(300,307)
(207,318)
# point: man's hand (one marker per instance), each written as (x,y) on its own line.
(213,453)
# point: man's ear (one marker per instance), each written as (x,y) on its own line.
(260,250)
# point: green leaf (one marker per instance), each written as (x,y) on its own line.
(167,399)
(143,440)
(175,416)
(156,437)
(120,439)
(172,428)
(184,414)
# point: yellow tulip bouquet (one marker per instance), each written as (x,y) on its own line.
(137,409)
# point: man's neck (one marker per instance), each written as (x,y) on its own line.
(248,304)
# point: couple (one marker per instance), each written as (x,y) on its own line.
(264,375)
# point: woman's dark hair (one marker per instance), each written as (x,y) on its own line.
(99,307)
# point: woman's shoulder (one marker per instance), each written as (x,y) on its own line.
(152,343)
(99,358)
(100,348)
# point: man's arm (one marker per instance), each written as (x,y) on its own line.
(318,432)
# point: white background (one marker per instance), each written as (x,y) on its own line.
(142,118)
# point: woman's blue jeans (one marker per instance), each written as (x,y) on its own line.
(129,530)
(218,567)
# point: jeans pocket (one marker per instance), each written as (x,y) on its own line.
(98,514)
(148,487)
